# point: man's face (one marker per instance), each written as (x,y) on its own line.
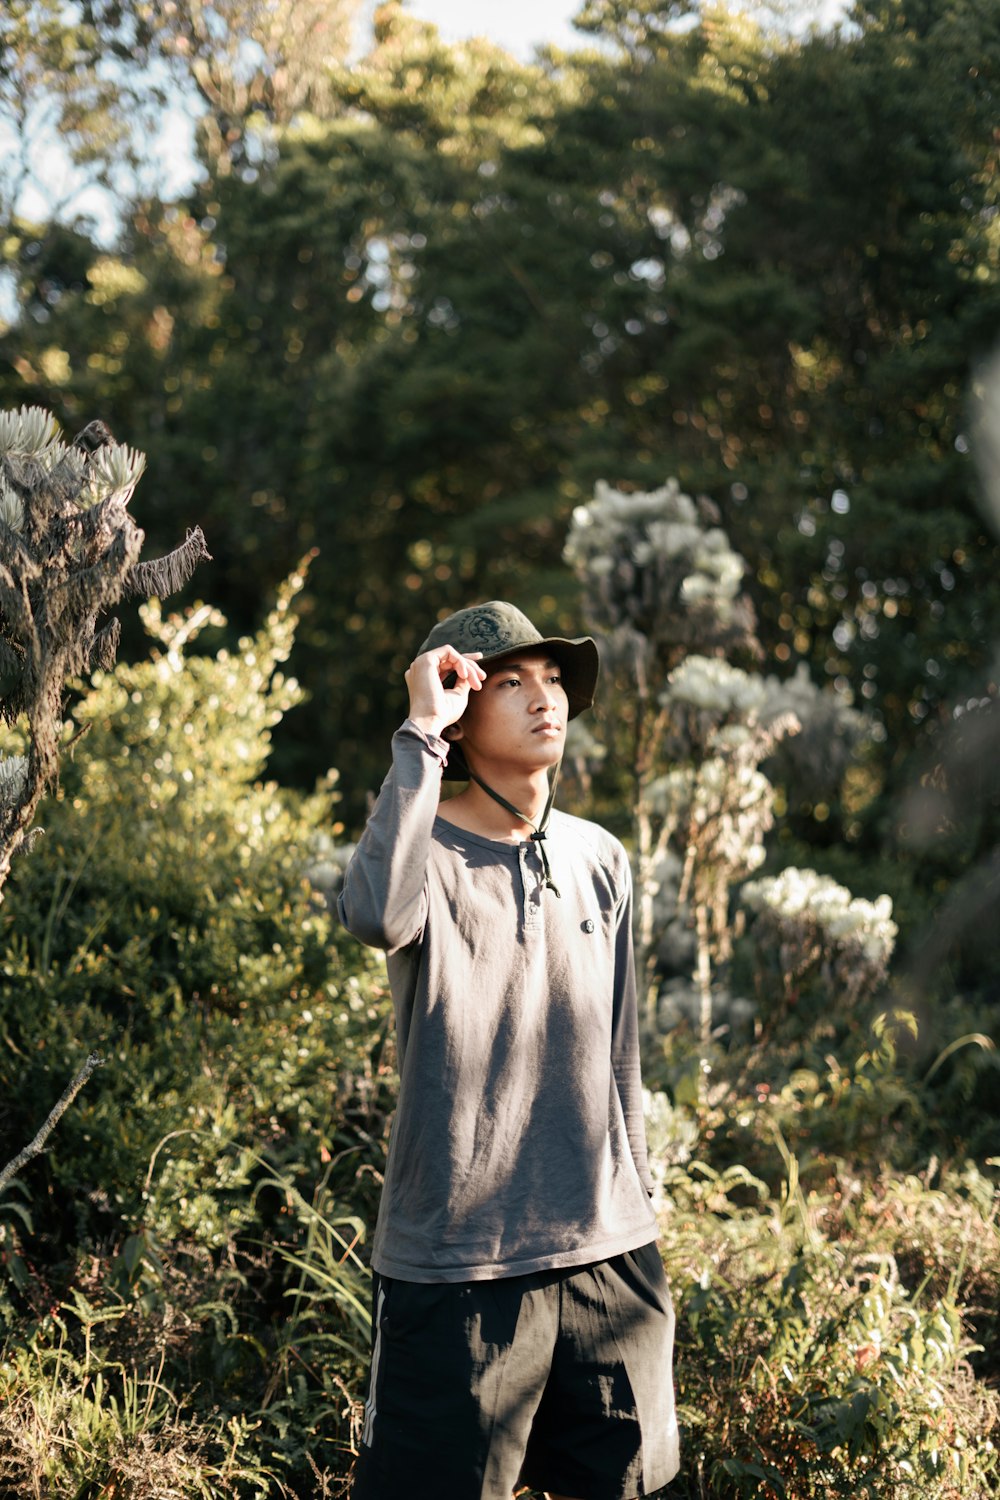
(518,718)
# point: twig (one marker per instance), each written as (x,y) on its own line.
(12,1168)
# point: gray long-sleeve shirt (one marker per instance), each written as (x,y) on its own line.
(518,1143)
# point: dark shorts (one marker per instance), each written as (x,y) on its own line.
(561,1380)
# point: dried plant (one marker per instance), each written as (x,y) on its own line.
(69,552)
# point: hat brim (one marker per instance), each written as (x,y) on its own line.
(579,664)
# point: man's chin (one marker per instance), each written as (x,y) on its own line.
(548,753)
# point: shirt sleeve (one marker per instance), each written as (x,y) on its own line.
(625,1033)
(383,901)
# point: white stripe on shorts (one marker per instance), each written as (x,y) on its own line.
(366,1431)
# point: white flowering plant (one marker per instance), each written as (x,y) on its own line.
(715,709)
(660,580)
(657,565)
(671,1137)
(815,927)
(662,589)
(714,806)
(327,863)
(583,753)
(832,734)
(710,698)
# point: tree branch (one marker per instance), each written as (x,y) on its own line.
(36,1147)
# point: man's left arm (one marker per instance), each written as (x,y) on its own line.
(625,1033)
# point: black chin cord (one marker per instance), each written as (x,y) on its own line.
(538,837)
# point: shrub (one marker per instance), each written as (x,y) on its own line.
(816,1358)
(144,1262)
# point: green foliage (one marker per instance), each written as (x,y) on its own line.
(184,1285)
(815,1360)
(168,901)
(417,326)
(311,1405)
(837,1289)
(166,919)
(73,1418)
(421,323)
(93,1392)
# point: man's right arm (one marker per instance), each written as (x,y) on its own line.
(384,898)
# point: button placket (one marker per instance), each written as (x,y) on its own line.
(530,883)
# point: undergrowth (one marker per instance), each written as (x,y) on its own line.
(184,1282)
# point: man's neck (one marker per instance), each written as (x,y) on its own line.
(477,812)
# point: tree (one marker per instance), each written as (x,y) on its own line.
(437,316)
(56,90)
(69,551)
(92,78)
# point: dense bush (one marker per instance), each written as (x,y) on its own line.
(194,1188)
(185,1290)
(825,1347)
(183,1279)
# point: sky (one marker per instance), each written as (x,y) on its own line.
(521,25)
(518,25)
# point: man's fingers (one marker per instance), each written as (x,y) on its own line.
(449,653)
(446,668)
(477,676)
(464,664)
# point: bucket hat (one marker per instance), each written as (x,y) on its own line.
(498,628)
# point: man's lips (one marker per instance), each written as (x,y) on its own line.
(549,727)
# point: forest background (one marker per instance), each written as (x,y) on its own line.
(419,306)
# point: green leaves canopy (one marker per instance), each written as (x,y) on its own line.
(417,327)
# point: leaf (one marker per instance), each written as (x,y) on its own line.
(163,576)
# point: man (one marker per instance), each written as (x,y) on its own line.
(522,1325)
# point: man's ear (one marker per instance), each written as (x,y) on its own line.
(452,732)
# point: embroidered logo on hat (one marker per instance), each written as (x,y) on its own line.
(489,630)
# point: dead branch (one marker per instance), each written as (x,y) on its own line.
(37,1146)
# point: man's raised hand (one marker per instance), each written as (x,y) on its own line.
(433,705)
